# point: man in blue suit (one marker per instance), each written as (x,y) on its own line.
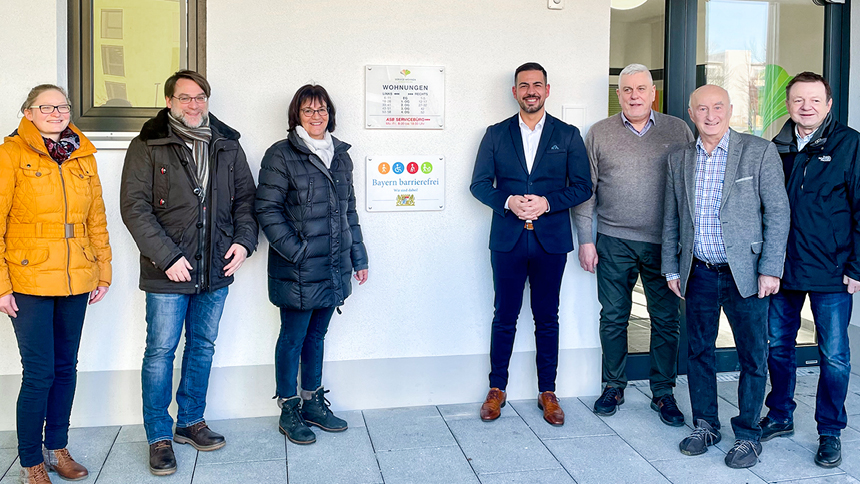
(531,169)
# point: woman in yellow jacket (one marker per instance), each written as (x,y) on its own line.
(54,259)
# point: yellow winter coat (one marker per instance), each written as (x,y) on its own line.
(52,219)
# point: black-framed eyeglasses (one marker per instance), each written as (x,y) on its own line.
(309,113)
(187,99)
(48,109)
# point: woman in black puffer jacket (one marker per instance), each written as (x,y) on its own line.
(306,207)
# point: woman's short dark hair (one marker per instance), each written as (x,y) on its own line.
(170,83)
(310,92)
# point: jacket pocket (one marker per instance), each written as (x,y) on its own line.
(310,191)
(26,257)
(89,253)
(746,178)
(161,186)
(80,178)
(756,247)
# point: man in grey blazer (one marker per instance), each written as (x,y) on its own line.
(724,235)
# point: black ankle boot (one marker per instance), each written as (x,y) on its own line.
(293,425)
(316,411)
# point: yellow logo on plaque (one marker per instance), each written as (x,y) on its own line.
(405,201)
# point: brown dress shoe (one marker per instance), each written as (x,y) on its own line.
(62,463)
(492,407)
(552,412)
(35,475)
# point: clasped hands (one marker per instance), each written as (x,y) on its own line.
(528,207)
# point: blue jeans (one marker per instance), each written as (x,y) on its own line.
(301,339)
(166,314)
(832,313)
(48,331)
(708,290)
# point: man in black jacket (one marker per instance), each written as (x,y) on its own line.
(822,173)
(187,197)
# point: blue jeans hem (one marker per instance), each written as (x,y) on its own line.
(189,424)
(159,439)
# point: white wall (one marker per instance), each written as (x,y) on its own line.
(428,304)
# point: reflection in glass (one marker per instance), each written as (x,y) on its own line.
(137,44)
(636,36)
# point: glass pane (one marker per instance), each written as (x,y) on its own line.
(137,44)
(636,35)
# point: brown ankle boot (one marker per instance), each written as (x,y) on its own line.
(62,463)
(34,475)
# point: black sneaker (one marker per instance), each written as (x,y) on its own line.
(703,436)
(771,428)
(744,454)
(829,451)
(667,407)
(609,401)
(316,411)
(162,461)
(200,436)
(293,425)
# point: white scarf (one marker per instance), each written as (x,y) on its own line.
(324,148)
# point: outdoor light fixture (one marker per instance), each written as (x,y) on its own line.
(626,4)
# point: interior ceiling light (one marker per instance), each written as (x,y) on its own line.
(626,4)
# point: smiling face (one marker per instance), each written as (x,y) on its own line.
(193,114)
(808,106)
(317,122)
(49,125)
(710,111)
(636,93)
(531,91)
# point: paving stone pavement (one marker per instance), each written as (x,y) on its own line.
(449,444)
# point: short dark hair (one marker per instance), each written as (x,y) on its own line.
(807,76)
(529,66)
(170,83)
(312,92)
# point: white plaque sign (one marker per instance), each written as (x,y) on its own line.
(405,183)
(407,97)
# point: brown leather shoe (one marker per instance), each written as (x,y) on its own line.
(35,475)
(552,412)
(492,407)
(61,462)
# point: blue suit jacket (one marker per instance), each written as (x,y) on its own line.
(560,173)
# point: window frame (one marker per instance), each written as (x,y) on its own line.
(85,115)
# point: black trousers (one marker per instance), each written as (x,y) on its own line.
(527,261)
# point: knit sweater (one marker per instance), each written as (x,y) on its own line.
(628,173)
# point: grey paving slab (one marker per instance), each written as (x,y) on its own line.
(504,445)
(274,472)
(90,447)
(440,465)
(407,428)
(8,439)
(7,457)
(471,411)
(708,468)
(838,479)
(354,418)
(851,458)
(128,463)
(131,433)
(641,428)
(336,458)
(248,440)
(555,476)
(806,429)
(784,459)
(579,420)
(603,459)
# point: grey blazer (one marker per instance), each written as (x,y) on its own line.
(754,212)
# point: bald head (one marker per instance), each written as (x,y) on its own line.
(711,111)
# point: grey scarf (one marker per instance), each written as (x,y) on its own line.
(199,137)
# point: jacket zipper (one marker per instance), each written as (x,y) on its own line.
(207,256)
(65,224)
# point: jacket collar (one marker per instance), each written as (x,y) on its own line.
(157,130)
(786,143)
(29,137)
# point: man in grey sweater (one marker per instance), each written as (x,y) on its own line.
(628,153)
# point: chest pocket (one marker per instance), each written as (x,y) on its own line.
(36,177)
(80,177)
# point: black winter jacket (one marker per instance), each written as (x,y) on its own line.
(167,219)
(823,185)
(308,214)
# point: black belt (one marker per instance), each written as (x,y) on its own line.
(722,266)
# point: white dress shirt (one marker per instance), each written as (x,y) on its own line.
(531,139)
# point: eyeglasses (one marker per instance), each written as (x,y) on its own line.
(187,99)
(309,113)
(48,109)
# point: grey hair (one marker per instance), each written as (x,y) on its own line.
(635,69)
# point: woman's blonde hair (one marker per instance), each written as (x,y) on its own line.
(34,93)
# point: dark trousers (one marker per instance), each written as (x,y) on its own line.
(301,340)
(48,330)
(543,270)
(620,262)
(708,290)
(832,313)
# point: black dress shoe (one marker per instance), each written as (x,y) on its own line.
(829,451)
(667,407)
(162,462)
(771,428)
(200,436)
(609,401)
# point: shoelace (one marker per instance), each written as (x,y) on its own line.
(745,446)
(39,473)
(162,444)
(62,455)
(610,395)
(324,403)
(669,402)
(703,434)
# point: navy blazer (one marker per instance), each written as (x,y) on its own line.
(560,173)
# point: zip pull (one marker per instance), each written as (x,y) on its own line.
(338,310)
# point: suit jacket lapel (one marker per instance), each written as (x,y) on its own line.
(732,163)
(545,135)
(690,180)
(517,139)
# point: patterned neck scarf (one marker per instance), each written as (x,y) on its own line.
(199,138)
(60,151)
